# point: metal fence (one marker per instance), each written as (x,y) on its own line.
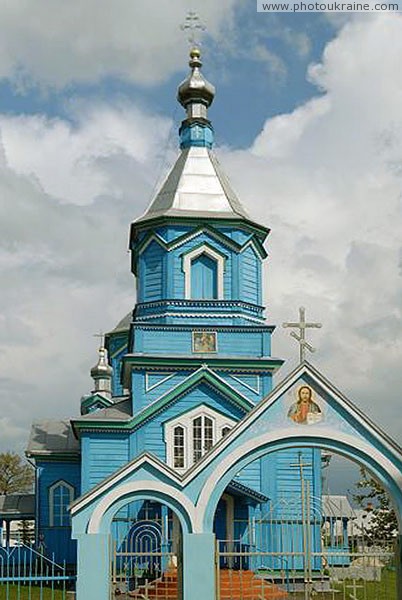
(146,554)
(296,552)
(28,574)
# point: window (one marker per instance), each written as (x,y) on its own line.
(189,436)
(178,447)
(61,494)
(203,269)
(203,438)
(204,278)
(225,431)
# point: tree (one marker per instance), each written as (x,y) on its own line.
(15,475)
(383,525)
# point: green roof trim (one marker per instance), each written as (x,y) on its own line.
(207,229)
(88,401)
(253,365)
(248,225)
(200,376)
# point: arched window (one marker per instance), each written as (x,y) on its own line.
(225,431)
(61,494)
(178,447)
(190,435)
(203,269)
(204,278)
(203,436)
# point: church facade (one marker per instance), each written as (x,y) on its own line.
(192,358)
(184,425)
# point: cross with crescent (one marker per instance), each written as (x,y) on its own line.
(302,325)
(193,25)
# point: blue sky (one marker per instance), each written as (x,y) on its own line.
(308,128)
(277,80)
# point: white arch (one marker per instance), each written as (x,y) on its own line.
(252,447)
(94,525)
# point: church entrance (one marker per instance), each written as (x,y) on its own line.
(308,546)
(146,543)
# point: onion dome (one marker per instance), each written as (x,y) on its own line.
(102,373)
(195,89)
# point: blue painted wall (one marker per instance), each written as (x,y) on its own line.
(102,454)
(56,541)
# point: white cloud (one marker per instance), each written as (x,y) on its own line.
(70,159)
(54,43)
(326,178)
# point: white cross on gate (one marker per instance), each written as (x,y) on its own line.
(302,325)
(193,25)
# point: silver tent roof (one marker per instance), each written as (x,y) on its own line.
(196,187)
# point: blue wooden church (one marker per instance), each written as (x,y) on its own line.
(187,364)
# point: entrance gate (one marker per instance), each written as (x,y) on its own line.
(146,553)
(298,551)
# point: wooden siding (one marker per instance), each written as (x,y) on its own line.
(251,476)
(250,276)
(150,437)
(286,484)
(230,343)
(102,455)
(151,273)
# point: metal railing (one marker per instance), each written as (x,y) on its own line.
(28,574)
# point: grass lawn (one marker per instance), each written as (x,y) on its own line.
(23,592)
(373,590)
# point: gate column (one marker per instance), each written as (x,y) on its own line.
(198,566)
(93,578)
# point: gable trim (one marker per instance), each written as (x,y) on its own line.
(126,470)
(302,369)
(202,375)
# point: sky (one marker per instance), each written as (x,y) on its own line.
(308,127)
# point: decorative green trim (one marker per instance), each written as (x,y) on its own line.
(200,376)
(257,328)
(205,228)
(48,456)
(248,225)
(255,365)
(208,245)
(95,398)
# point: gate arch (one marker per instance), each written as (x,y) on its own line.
(102,516)
(344,444)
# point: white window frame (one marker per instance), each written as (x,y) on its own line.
(190,256)
(219,422)
(52,489)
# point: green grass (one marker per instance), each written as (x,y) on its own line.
(23,592)
(373,590)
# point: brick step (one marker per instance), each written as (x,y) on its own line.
(234,585)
